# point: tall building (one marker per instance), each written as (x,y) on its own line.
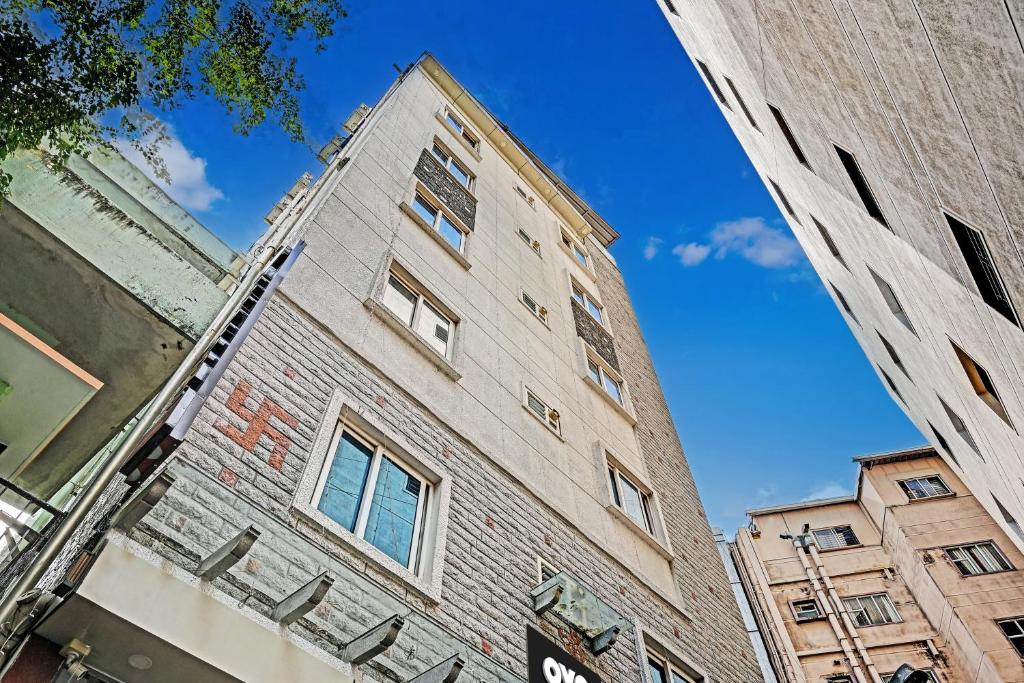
(441,448)
(911,569)
(889,135)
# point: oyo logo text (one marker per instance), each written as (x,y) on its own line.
(555,672)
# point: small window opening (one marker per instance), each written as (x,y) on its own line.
(860,184)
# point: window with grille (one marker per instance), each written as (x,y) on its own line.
(440,221)
(1013,629)
(540,312)
(743,105)
(788,134)
(872,610)
(860,184)
(528,240)
(806,610)
(719,95)
(982,268)
(835,537)
(982,383)
(924,487)
(826,237)
(972,559)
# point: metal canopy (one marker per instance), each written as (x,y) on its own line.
(578,606)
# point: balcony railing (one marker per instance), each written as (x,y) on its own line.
(25,524)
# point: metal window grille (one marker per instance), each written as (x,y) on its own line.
(872,610)
(972,559)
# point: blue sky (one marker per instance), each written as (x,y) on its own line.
(769,390)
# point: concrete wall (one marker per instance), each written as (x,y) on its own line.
(927,95)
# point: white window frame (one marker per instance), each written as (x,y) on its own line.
(655,536)
(576,251)
(451,159)
(606,377)
(1016,641)
(455,122)
(882,602)
(616,477)
(928,483)
(674,672)
(586,300)
(538,311)
(818,612)
(529,241)
(526,196)
(422,301)
(552,418)
(833,530)
(420,192)
(969,562)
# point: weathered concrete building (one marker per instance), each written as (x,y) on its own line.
(890,135)
(444,429)
(910,569)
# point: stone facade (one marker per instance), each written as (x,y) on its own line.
(439,181)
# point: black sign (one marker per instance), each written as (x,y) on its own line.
(548,663)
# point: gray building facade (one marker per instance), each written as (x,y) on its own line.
(445,425)
(889,134)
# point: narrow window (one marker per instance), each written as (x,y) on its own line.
(671,7)
(829,242)
(972,559)
(960,427)
(835,537)
(460,128)
(522,193)
(843,303)
(983,269)
(574,248)
(889,294)
(454,166)
(806,610)
(631,499)
(867,198)
(982,384)
(892,385)
(785,201)
(546,414)
(842,678)
(788,134)
(412,308)
(891,350)
(924,487)
(528,241)
(1009,519)
(743,105)
(713,83)
(1013,629)
(872,610)
(583,298)
(440,222)
(601,378)
(539,311)
(375,495)
(943,444)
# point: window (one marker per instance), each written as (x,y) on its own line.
(782,198)
(806,610)
(373,494)
(960,427)
(574,248)
(599,374)
(1013,629)
(889,294)
(743,105)
(972,559)
(1009,519)
(943,444)
(545,570)
(983,268)
(549,416)
(713,83)
(440,222)
(522,193)
(418,314)
(835,537)
(671,7)
(891,350)
(982,384)
(892,385)
(829,242)
(925,487)
(861,185)
(539,311)
(788,134)
(843,303)
(460,128)
(454,166)
(872,610)
(583,298)
(629,497)
(528,241)
(663,671)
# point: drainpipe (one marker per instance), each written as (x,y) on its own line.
(801,543)
(845,615)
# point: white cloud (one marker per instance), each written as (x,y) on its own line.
(189,185)
(652,247)
(830,489)
(691,254)
(757,242)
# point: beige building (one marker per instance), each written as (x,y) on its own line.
(910,569)
(889,133)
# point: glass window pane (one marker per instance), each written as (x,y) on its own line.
(580,256)
(657,672)
(454,121)
(346,482)
(536,405)
(391,523)
(434,328)
(594,310)
(595,372)
(450,233)
(399,299)
(613,388)
(679,678)
(615,487)
(425,210)
(460,173)
(631,502)
(577,294)
(440,154)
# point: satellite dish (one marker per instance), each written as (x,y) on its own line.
(908,674)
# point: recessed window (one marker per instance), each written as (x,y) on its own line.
(924,487)
(785,201)
(583,298)
(525,195)
(460,128)
(671,7)
(982,384)
(664,671)
(806,610)
(829,242)
(719,95)
(629,497)
(972,559)
(440,222)
(892,385)
(983,269)
(575,249)
(889,294)
(788,134)
(743,105)
(1010,520)
(545,413)
(872,610)
(413,309)
(600,375)
(960,427)
(1013,629)
(943,444)
(528,241)
(843,303)
(375,495)
(835,537)
(454,166)
(867,198)
(891,350)
(540,312)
